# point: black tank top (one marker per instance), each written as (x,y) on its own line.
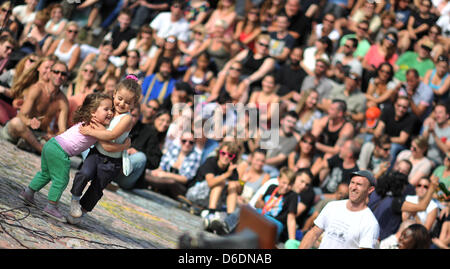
(330,138)
(250,65)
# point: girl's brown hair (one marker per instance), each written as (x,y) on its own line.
(131,84)
(90,104)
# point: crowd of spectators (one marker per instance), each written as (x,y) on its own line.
(344,85)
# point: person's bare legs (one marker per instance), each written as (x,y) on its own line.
(17,128)
(214,196)
(233,187)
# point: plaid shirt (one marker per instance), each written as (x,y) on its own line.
(190,164)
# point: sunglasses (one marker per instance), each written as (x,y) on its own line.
(184,141)
(4,9)
(424,186)
(31,60)
(88,70)
(363,28)
(198,33)
(72,31)
(385,71)
(230,156)
(236,69)
(308,142)
(263,44)
(386,149)
(62,73)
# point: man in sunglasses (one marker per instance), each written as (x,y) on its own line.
(45,101)
(361,35)
(420,60)
(375,155)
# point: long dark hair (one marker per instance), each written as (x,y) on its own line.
(391,184)
(422,238)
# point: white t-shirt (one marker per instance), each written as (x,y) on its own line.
(20,13)
(165,27)
(333,35)
(422,214)
(345,229)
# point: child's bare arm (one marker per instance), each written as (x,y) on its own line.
(114,147)
(124,125)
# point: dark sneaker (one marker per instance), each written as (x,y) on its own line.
(220,227)
(27,198)
(54,213)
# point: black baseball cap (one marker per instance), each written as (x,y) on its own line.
(366,174)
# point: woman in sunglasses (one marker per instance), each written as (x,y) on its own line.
(84,83)
(216,183)
(169,50)
(178,166)
(428,216)
(382,88)
(66,48)
(417,156)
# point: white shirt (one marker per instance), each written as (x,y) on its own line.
(20,13)
(422,214)
(165,27)
(333,35)
(345,229)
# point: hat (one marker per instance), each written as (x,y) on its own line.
(366,174)
(372,115)
(427,44)
(323,60)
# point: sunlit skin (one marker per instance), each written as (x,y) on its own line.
(162,123)
(104,113)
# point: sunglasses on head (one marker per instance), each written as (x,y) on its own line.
(230,156)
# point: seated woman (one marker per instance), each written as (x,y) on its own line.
(306,109)
(131,66)
(143,43)
(8,23)
(321,50)
(7,111)
(66,48)
(199,76)
(177,167)
(439,80)
(421,165)
(34,37)
(427,217)
(217,45)
(197,12)
(224,11)
(303,156)
(196,40)
(57,23)
(84,83)
(382,88)
(229,83)
(251,175)
(169,50)
(101,61)
(264,98)
(247,30)
(441,43)
(255,64)
(385,51)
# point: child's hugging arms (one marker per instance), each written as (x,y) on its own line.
(102,134)
(114,147)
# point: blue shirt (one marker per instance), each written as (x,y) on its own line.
(156,89)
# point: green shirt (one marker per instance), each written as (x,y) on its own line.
(409,60)
(363,45)
(356,101)
(439,172)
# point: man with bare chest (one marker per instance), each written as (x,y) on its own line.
(45,102)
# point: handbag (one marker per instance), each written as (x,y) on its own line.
(126,163)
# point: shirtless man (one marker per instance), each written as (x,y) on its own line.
(44,102)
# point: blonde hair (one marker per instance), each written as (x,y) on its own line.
(288,173)
(422,142)
(70,23)
(301,103)
(79,79)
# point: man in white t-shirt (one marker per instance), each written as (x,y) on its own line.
(171,23)
(347,224)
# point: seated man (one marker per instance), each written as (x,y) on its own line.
(420,60)
(338,168)
(398,124)
(122,33)
(44,102)
(160,85)
(375,156)
(332,130)
(177,167)
(437,130)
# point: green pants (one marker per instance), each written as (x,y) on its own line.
(55,167)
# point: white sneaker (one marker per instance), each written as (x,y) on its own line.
(75,208)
